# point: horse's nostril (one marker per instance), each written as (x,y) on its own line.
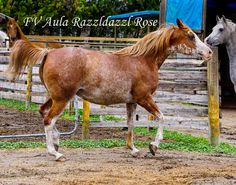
(210,52)
(207,41)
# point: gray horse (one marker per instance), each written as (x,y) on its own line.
(225,33)
(4,40)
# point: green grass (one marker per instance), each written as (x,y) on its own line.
(175,140)
(20,105)
(187,142)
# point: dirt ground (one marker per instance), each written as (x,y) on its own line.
(114,166)
(110,166)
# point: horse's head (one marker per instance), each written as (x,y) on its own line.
(185,41)
(221,32)
(12,30)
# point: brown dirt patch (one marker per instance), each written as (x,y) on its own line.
(114,166)
(107,166)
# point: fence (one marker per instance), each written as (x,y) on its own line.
(182,93)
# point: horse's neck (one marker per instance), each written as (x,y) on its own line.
(231,46)
(157,60)
(20,34)
(231,50)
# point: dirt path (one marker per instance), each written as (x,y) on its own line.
(110,166)
(114,166)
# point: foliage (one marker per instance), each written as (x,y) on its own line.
(85,9)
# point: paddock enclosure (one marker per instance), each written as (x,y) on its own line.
(182,93)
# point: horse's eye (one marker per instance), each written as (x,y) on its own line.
(191,37)
(221,29)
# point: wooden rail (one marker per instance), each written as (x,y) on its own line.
(99,43)
(70,38)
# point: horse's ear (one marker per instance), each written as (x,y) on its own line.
(217,18)
(180,23)
(16,18)
(224,19)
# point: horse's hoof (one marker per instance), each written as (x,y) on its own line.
(62,159)
(153,149)
(56,146)
(136,153)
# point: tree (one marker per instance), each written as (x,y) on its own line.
(85,9)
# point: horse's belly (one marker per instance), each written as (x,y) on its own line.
(105,97)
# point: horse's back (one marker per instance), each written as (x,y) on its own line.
(96,76)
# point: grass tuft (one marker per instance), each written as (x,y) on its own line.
(187,142)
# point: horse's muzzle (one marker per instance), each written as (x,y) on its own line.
(206,55)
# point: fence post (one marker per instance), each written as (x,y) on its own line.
(86,113)
(70,111)
(28,86)
(213,98)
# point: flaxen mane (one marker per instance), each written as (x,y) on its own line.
(152,44)
(23,54)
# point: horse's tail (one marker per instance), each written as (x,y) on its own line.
(24,54)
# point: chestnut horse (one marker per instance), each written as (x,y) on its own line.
(14,33)
(127,76)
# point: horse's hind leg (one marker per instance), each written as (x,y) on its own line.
(52,135)
(45,107)
(130,122)
(56,136)
(151,107)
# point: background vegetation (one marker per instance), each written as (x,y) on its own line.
(85,9)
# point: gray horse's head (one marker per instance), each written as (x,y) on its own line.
(221,32)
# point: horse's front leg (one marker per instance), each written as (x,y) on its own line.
(149,104)
(131,107)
